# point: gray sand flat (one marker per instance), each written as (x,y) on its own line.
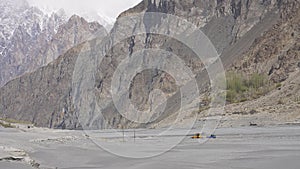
(11,165)
(234,148)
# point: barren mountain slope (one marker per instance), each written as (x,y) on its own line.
(46,97)
(276,54)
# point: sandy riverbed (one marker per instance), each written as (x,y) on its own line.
(234,148)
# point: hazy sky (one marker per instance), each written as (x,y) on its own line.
(108,8)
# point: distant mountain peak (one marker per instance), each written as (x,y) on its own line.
(27,34)
(75,18)
(92,16)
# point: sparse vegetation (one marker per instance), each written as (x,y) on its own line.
(242,88)
(8,120)
(278,85)
(6,125)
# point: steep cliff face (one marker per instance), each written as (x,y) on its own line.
(223,21)
(72,33)
(41,97)
(226,23)
(46,97)
(276,53)
(276,56)
(30,39)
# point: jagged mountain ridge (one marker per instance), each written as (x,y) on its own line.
(30,39)
(225,20)
(23,27)
(63,112)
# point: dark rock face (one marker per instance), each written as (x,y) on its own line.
(276,53)
(42,97)
(46,97)
(236,8)
(224,22)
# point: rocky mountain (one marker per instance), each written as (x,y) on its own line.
(30,39)
(54,95)
(21,29)
(92,16)
(276,56)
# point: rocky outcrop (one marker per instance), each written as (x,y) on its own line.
(70,34)
(41,97)
(276,53)
(223,21)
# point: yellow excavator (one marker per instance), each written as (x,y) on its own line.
(197,136)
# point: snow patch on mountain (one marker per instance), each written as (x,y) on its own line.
(89,15)
(94,16)
(16,15)
(30,38)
